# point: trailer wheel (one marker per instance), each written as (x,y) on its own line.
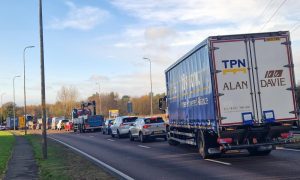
(171,141)
(202,144)
(255,152)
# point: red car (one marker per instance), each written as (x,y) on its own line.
(69,126)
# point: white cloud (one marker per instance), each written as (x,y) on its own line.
(82,18)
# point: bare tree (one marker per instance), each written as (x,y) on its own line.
(68,97)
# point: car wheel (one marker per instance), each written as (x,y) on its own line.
(142,137)
(166,138)
(103,131)
(118,134)
(131,138)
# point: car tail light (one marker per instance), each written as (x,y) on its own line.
(225,140)
(87,126)
(286,135)
(146,126)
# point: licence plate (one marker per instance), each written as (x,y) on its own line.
(158,132)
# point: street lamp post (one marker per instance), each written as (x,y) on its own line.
(2,106)
(151,95)
(25,88)
(14,111)
(100,108)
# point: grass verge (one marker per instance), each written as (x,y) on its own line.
(62,163)
(6,145)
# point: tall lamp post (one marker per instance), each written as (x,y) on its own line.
(100,108)
(43,93)
(2,107)
(14,111)
(151,95)
(25,113)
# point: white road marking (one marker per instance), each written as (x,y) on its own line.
(287,149)
(96,160)
(144,146)
(110,140)
(92,136)
(220,162)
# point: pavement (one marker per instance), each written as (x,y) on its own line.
(22,165)
(159,160)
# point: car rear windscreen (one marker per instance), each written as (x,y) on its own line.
(129,119)
(154,120)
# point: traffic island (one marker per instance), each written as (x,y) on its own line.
(63,163)
(7,141)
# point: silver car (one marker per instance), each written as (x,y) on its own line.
(121,126)
(144,128)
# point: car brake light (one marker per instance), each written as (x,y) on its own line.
(87,126)
(146,126)
(225,140)
(286,135)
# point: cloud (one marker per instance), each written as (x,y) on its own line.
(82,18)
(95,77)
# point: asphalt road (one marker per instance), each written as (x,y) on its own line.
(159,160)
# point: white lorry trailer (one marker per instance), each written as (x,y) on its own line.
(233,92)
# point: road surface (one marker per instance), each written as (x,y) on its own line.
(158,160)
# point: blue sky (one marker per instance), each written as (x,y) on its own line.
(90,41)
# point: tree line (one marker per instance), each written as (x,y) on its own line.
(68,99)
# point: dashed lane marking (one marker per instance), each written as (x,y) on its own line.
(144,146)
(287,149)
(110,140)
(92,136)
(220,162)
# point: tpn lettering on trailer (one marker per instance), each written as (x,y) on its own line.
(234,66)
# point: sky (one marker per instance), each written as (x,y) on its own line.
(92,42)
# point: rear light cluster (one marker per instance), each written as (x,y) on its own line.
(286,135)
(146,126)
(225,140)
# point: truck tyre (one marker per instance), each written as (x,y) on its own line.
(173,143)
(202,143)
(255,152)
(112,135)
(131,138)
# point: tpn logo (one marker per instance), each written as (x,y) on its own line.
(234,66)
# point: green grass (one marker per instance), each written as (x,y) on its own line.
(7,141)
(62,163)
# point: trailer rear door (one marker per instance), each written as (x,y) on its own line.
(253,80)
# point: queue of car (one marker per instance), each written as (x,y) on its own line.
(136,128)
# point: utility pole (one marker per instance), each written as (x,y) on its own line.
(25,114)
(44,141)
(14,105)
